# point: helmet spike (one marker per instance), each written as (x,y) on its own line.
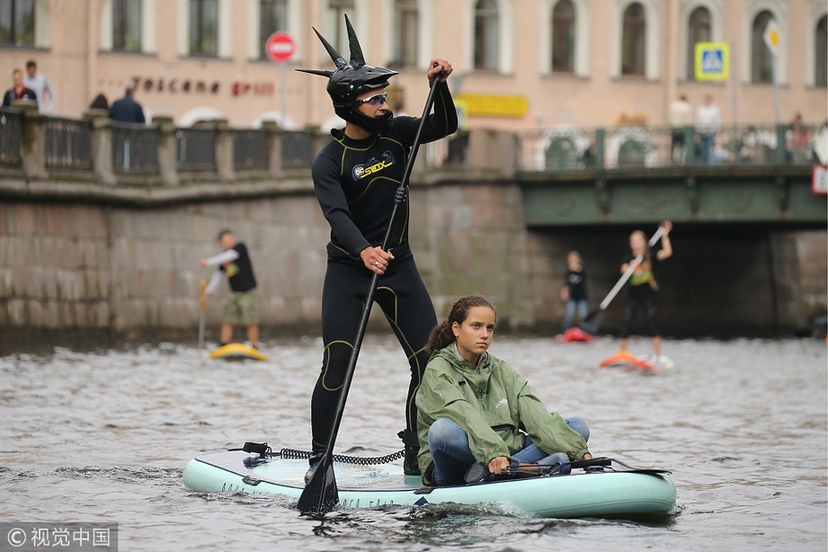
(337,58)
(357,57)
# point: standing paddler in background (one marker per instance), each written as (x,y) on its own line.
(242,305)
(642,288)
(355,177)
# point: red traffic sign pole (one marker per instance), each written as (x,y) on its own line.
(280,47)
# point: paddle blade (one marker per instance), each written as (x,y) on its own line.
(320,495)
(593,321)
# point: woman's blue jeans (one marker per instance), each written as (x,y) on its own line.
(571,306)
(449,446)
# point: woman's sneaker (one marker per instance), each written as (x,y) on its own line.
(476,473)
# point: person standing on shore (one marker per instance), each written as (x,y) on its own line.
(42,86)
(18,91)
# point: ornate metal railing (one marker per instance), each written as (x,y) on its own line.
(196,149)
(250,150)
(297,149)
(134,149)
(570,148)
(68,144)
(11,129)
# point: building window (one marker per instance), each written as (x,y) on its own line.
(272,18)
(126,25)
(337,10)
(17,22)
(563,37)
(485,35)
(204,27)
(633,41)
(405,39)
(761,63)
(821,57)
(698,30)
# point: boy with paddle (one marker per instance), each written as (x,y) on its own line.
(360,180)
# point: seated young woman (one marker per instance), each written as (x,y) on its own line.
(476,414)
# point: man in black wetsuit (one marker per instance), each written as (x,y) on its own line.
(355,177)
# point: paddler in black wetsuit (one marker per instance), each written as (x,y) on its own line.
(355,177)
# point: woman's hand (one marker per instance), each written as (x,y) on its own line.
(498,465)
(375,259)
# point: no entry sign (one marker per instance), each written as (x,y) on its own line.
(279,47)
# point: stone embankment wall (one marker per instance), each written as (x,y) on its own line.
(74,269)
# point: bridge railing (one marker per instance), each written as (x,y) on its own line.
(96,148)
(134,149)
(570,148)
(68,144)
(11,130)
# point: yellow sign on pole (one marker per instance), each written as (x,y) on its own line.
(712,61)
(772,37)
(495,105)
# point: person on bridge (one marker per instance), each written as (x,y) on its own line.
(18,91)
(477,415)
(126,109)
(355,177)
(242,305)
(642,288)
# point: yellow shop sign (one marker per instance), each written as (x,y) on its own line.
(495,105)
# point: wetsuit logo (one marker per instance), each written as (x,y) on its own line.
(373,166)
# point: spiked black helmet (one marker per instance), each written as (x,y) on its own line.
(350,79)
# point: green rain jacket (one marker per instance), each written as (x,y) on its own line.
(492,404)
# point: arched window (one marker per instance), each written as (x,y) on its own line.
(126,25)
(485,35)
(272,18)
(17,23)
(821,57)
(563,37)
(633,41)
(761,61)
(336,11)
(204,27)
(698,30)
(405,35)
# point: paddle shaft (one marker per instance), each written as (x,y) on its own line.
(628,273)
(329,495)
(202,311)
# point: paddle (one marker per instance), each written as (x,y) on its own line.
(593,321)
(202,310)
(321,494)
(593,465)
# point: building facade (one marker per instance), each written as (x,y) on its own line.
(519,64)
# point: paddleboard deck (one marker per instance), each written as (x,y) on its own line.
(629,494)
(629,361)
(237,351)
(575,335)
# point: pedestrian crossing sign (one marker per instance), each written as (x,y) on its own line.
(712,61)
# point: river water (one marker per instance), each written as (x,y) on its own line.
(103,436)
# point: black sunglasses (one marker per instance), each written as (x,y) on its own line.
(376,99)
